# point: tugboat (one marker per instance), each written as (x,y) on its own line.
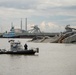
(16,48)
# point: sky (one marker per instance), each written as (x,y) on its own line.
(48,15)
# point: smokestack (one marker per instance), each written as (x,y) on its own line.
(21,23)
(26,24)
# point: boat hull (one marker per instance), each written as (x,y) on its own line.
(26,52)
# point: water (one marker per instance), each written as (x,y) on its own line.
(53,59)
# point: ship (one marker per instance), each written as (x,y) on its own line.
(10,34)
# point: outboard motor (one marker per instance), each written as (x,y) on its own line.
(37,50)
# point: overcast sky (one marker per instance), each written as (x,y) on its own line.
(49,15)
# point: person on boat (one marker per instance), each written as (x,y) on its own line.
(25,46)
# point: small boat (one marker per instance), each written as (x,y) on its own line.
(10,34)
(16,48)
